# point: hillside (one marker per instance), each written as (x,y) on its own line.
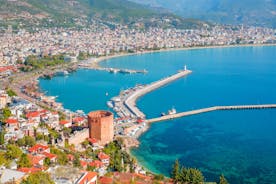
(69,13)
(250,12)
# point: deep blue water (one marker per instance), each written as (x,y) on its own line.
(239,144)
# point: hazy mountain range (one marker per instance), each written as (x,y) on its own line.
(252,12)
(68,13)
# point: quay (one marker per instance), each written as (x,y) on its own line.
(204,110)
(130,102)
(111,70)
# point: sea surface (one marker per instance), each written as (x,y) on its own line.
(239,144)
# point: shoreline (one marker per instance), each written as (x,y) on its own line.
(100,59)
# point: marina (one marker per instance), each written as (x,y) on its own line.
(125,104)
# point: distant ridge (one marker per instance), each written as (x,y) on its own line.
(249,12)
(79,13)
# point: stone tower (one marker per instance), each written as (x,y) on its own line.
(101,126)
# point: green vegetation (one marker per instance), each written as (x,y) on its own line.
(119,159)
(38,178)
(3,160)
(47,162)
(76,161)
(24,161)
(63,13)
(84,55)
(34,62)
(26,141)
(186,175)
(6,113)
(11,93)
(61,156)
(13,152)
(40,136)
(222,180)
(2,137)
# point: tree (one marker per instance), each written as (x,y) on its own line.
(26,141)
(195,176)
(159,177)
(6,113)
(2,137)
(24,161)
(176,171)
(47,162)
(21,142)
(29,141)
(222,180)
(76,161)
(13,152)
(38,178)
(11,93)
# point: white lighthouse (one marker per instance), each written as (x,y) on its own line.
(185,67)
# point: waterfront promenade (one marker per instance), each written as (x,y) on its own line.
(210,109)
(130,102)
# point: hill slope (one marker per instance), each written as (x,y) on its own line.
(81,12)
(251,12)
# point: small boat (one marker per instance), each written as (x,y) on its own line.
(163,114)
(172,111)
(110,104)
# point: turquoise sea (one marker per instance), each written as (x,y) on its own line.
(239,144)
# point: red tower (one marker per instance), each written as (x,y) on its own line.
(101,126)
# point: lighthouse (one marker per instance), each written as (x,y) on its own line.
(185,68)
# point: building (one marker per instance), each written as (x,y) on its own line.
(101,126)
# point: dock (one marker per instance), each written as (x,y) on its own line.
(112,70)
(130,102)
(210,109)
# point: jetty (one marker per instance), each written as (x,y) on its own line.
(111,70)
(210,109)
(130,101)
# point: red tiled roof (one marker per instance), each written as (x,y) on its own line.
(105,180)
(92,140)
(70,157)
(83,163)
(96,163)
(29,170)
(35,159)
(38,147)
(33,114)
(63,122)
(49,155)
(88,176)
(7,68)
(78,119)
(103,156)
(11,121)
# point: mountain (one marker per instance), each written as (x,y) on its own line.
(69,13)
(250,12)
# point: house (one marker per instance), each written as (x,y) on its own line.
(33,116)
(36,160)
(104,158)
(96,164)
(93,142)
(79,121)
(39,148)
(105,180)
(3,100)
(65,123)
(12,124)
(87,178)
(29,170)
(51,156)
